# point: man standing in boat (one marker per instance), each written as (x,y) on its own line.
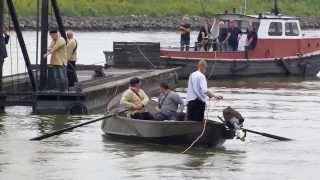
(203,36)
(233,36)
(3,51)
(72,48)
(56,70)
(252,38)
(198,92)
(251,41)
(222,37)
(135,100)
(168,104)
(184,29)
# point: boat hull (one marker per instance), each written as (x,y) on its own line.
(167,132)
(219,68)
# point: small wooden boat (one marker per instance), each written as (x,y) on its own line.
(167,132)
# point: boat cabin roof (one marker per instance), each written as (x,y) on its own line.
(266,26)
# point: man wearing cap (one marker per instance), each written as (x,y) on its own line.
(56,70)
(135,100)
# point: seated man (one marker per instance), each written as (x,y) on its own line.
(135,99)
(168,104)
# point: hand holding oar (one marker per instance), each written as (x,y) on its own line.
(262,133)
(68,128)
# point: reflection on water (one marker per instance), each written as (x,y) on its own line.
(285,107)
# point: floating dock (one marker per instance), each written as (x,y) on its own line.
(90,95)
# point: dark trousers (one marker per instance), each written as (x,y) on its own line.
(71,73)
(143,116)
(195,111)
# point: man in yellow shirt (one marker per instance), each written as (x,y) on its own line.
(56,70)
(135,100)
(72,47)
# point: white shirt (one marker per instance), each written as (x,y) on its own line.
(197,87)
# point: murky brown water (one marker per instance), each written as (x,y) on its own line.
(283,106)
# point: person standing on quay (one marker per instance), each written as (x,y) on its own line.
(185,29)
(198,92)
(56,70)
(72,55)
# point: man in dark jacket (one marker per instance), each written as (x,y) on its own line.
(5,37)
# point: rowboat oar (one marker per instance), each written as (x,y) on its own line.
(268,135)
(263,133)
(69,128)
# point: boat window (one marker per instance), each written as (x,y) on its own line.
(292,29)
(275,29)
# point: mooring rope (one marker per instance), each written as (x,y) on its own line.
(146,58)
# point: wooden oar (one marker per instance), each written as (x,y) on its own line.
(68,129)
(268,135)
(263,133)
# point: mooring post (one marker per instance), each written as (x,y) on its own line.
(3,52)
(44,44)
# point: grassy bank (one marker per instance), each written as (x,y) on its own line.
(169,7)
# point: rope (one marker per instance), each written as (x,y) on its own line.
(10,51)
(17,56)
(114,95)
(37,37)
(203,130)
(146,58)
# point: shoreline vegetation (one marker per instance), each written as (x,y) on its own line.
(132,23)
(141,15)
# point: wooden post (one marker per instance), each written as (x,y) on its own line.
(2,49)
(44,44)
(59,19)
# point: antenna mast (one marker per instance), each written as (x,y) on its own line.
(276,9)
(245,7)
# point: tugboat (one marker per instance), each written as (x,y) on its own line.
(281,50)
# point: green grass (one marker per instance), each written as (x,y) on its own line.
(169,7)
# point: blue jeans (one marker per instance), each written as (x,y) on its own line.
(167,115)
(184,42)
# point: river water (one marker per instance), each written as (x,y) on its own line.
(287,107)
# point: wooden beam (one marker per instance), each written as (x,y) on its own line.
(44,44)
(2,49)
